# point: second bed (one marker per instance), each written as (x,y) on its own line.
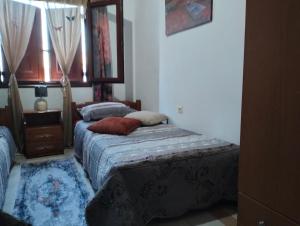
(155,172)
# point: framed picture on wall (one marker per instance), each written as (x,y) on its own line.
(185,14)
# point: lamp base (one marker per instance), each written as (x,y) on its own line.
(41,105)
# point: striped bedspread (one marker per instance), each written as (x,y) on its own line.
(158,171)
(7,153)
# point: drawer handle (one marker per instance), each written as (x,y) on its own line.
(261,223)
(45,148)
(46,136)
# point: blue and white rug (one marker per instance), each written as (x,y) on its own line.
(52,193)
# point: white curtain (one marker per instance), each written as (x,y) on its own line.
(71,2)
(65,32)
(15,28)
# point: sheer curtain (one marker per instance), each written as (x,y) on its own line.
(63,18)
(103,52)
(15,28)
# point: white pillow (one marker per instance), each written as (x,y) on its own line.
(148,118)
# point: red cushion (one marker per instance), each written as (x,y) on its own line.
(115,125)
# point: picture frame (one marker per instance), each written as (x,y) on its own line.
(186,14)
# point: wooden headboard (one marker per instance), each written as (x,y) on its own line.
(5,117)
(137,105)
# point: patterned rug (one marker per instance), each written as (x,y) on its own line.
(52,193)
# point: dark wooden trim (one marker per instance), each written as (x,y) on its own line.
(103,3)
(137,105)
(88,39)
(54,84)
(120,41)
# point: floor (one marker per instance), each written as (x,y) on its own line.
(221,215)
(21,158)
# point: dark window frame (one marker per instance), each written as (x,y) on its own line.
(23,83)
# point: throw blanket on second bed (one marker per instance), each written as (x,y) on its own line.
(158,171)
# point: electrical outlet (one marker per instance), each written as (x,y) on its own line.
(179,109)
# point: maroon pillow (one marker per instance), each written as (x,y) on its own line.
(115,125)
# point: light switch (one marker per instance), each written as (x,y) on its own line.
(179,109)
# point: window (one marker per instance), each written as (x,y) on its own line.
(39,64)
(3,68)
(1,65)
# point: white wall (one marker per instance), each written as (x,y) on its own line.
(201,69)
(111,9)
(147,53)
(128,88)
(54,99)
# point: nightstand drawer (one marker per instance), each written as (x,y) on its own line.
(42,149)
(44,134)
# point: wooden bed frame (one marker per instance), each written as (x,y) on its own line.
(137,105)
(5,117)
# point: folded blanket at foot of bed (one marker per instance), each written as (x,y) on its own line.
(134,195)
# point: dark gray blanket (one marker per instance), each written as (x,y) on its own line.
(7,155)
(159,171)
(8,220)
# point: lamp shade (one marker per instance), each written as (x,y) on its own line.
(41,91)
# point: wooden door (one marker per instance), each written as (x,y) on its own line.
(289,165)
(260,136)
(270,151)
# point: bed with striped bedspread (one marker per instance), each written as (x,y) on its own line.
(155,172)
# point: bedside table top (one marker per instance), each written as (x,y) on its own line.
(41,112)
(36,118)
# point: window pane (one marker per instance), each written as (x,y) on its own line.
(31,67)
(39,63)
(76,69)
(45,44)
(1,58)
(83,47)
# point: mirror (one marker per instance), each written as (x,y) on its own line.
(107,56)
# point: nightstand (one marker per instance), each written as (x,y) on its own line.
(43,133)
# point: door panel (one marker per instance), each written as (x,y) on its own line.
(252,213)
(270,147)
(290,118)
(260,137)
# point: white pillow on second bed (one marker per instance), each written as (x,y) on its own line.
(148,118)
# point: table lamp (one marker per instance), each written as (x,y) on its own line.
(41,104)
